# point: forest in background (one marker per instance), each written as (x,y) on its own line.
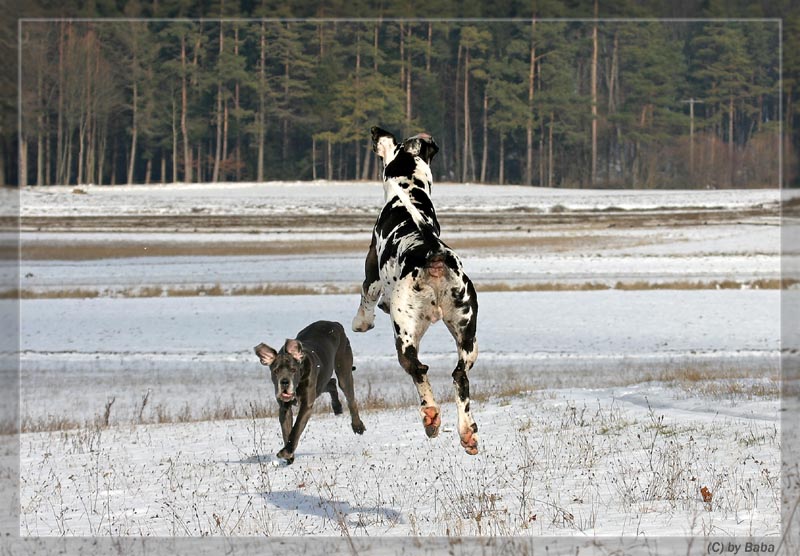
(559,103)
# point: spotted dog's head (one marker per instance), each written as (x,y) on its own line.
(421,145)
(386,146)
(286,367)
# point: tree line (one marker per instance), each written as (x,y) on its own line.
(558,103)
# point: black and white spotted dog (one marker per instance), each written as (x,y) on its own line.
(417,278)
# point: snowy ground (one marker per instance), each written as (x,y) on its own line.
(560,462)
(602,412)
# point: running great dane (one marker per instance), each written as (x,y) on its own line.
(302,370)
(417,279)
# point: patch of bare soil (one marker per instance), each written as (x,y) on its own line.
(121,249)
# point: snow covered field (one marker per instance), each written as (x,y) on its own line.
(125,240)
(605,403)
(360,197)
(559,462)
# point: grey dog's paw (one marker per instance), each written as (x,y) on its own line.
(286,455)
(359,428)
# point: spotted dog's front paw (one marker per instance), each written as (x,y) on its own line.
(431,420)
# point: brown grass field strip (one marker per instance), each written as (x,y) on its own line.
(119,249)
(79,251)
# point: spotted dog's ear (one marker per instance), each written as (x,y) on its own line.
(383,143)
(265,354)
(421,145)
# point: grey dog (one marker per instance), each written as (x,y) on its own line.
(302,370)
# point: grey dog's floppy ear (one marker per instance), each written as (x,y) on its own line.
(421,145)
(294,348)
(265,354)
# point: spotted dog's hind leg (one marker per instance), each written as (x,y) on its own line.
(405,308)
(370,291)
(431,418)
(462,324)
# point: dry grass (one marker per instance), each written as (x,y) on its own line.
(219,411)
(224,411)
(729,383)
(697,379)
(73,293)
(696,373)
(52,423)
(293,289)
(760,284)
(159,415)
(541,286)
(188,291)
(738,390)
(8,427)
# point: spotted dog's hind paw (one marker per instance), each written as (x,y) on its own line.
(470,445)
(469,440)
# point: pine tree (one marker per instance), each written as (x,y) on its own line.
(563,113)
(507,93)
(474,42)
(651,74)
(722,68)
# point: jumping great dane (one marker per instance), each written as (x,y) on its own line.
(302,370)
(417,279)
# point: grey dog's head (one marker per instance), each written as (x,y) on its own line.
(286,368)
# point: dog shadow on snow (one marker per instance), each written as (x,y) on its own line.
(256,459)
(318,506)
(293,500)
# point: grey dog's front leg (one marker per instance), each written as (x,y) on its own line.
(285,419)
(290,445)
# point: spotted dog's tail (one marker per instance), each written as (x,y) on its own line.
(435,281)
(435,265)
